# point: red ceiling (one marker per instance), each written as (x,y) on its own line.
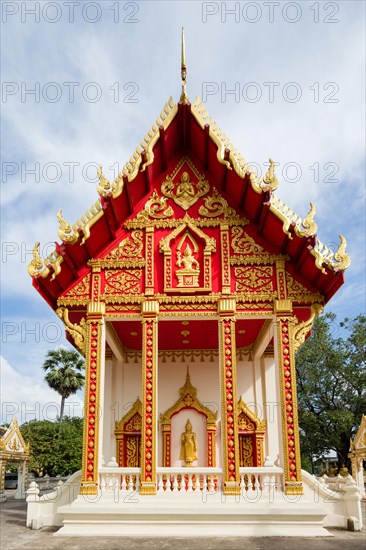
(174,335)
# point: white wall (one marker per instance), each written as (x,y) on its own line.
(205,378)
(245,381)
(257,383)
(272,409)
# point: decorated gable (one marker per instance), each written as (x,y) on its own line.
(187,221)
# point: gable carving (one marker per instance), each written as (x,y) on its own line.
(156,207)
(300,293)
(247,251)
(127,254)
(184,189)
(78,295)
(81,290)
(121,282)
(185,186)
(253,279)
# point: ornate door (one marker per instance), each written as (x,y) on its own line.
(128,438)
(251,431)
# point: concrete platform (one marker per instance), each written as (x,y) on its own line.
(15,536)
(177,516)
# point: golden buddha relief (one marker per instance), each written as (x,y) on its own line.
(185,192)
(189,267)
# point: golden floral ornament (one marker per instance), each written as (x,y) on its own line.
(215,206)
(65,232)
(242,243)
(131,246)
(78,332)
(270,181)
(36,264)
(155,207)
(302,329)
(299,293)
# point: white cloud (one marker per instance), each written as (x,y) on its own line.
(148,53)
(28,397)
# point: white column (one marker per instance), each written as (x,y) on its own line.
(107,411)
(115,407)
(272,409)
(257,385)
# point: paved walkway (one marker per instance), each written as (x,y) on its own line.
(15,536)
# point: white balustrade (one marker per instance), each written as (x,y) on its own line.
(188,480)
(253,481)
(336,483)
(256,481)
(119,479)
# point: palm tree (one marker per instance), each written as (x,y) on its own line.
(64,373)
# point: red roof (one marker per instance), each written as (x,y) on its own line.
(183,129)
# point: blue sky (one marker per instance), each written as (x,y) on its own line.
(100,74)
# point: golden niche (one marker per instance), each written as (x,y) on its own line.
(188,450)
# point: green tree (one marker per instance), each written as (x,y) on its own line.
(55,447)
(64,373)
(331,385)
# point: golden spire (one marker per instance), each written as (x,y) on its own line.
(184,97)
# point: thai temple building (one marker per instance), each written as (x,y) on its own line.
(188,287)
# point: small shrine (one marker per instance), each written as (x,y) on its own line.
(14,450)
(188,287)
(357,454)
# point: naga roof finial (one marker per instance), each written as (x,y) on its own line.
(184,97)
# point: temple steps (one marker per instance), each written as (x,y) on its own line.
(149,516)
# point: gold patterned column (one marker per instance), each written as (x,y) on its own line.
(150,309)
(149,259)
(229,422)
(290,427)
(225,259)
(281,279)
(94,355)
(211,445)
(2,480)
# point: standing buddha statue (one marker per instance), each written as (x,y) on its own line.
(188,451)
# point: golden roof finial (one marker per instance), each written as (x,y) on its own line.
(270,181)
(341,257)
(184,97)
